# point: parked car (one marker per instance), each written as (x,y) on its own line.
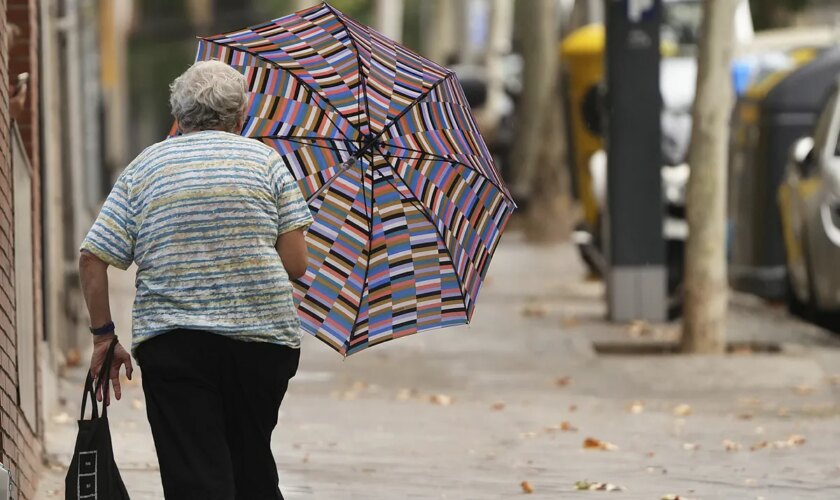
(768,120)
(809,205)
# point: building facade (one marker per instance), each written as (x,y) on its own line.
(21,328)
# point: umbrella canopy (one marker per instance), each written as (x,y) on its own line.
(408,206)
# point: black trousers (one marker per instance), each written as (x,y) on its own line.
(212,404)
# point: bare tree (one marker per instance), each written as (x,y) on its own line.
(706,290)
(538,152)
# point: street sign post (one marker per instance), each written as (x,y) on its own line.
(637,275)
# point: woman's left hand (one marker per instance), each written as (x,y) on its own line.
(101,344)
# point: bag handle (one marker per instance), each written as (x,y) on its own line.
(103,378)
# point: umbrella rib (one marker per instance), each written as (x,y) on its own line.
(316,96)
(419,205)
(300,140)
(367,266)
(448,160)
(363,81)
(402,113)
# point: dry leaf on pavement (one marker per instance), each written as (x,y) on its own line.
(534,310)
(587,486)
(682,410)
(569,322)
(596,444)
(441,399)
(526,487)
(791,442)
(730,445)
(672,496)
(567,427)
(639,328)
(498,406)
(562,427)
(562,381)
(406,394)
(636,407)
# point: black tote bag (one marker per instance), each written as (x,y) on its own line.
(93,474)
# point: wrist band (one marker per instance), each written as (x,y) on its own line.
(103,330)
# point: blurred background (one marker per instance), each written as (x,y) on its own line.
(537,76)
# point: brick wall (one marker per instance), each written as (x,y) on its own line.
(20,448)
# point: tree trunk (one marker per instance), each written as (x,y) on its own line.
(540,177)
(550,213)
(537,34)
(439,36)
(389,18)
(706,289)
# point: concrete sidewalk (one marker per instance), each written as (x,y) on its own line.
(472,412)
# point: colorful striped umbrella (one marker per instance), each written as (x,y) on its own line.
(408,206)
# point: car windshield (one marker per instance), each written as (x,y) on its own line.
(681,24)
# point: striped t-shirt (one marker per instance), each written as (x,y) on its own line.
(200,215)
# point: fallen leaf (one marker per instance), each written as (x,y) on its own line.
(526,487)
(572,408)
(441,399)
(691,446)
(569,322)
(534,310)
(636,407)
(803,389)
(783,412)
(562,427)
(729,445)
(759,445)
(596,444)
(682,410)
(796,439)
(587,486)
(562,381)
(406,394)
(498,406)
(639,328)
(567,427)
(791,442)
(671,496)
(305,459)
(745,416)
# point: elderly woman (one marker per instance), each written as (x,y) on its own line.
(215,224)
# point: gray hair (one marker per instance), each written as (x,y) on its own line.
(209,95)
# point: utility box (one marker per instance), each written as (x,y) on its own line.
(637,274)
